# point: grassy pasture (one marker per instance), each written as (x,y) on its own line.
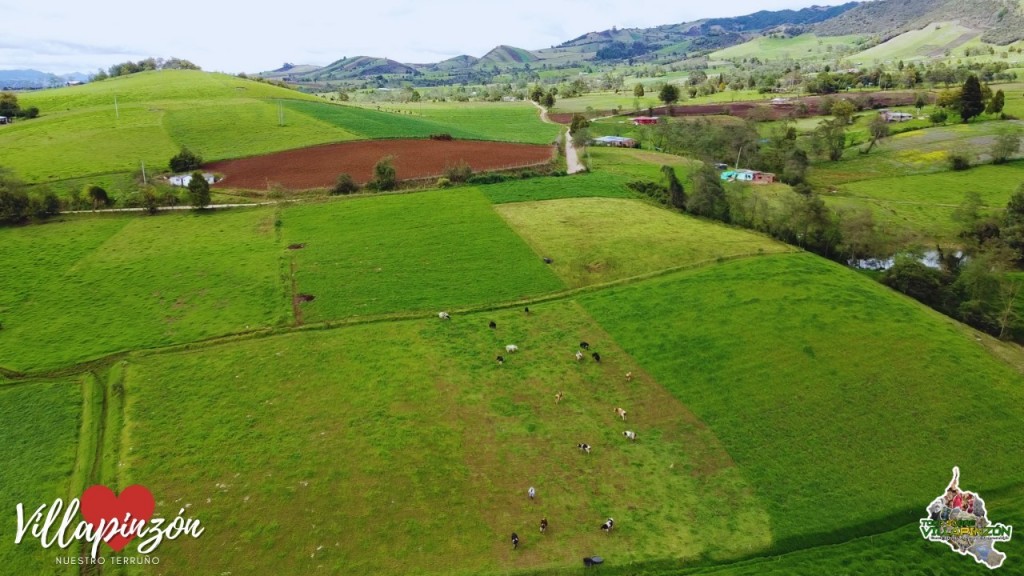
(375,448)
(94,286)
(595,240)
(843,403)
(593,184)
(924,204)
(916,152)
(37,447)
(511,122)
(639,164)
(929,42)
(803,47)
(414,252)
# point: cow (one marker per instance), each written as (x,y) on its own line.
(548,260)
(511,348)
(444,316)
(515,541)
(595,356)
(585,448)
(501,360)
(585,345)
(630,435)
(531,493)
(579,356)
(526,310)
(608,525)
(543,525)
(492,325)
(558,397)
(621,413)
(629,376)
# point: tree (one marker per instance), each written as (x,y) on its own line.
(920,102)
(995,105)
(1006,145)
(344,185)
(676,193)
(536,93)
(548,101)
(385,177)
(198,190)
(879,130)
(97,195)
(578,121)
(830,138)
(708,198)
(14,200)
(184,161)
(669,94)
(972,101)
(1012,231)
(9,105)
(843,111)
(638,91)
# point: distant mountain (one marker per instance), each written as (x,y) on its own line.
(33,79)
(1000,21)
(508,55)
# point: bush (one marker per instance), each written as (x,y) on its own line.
(958,159)
(444,137)
(385,177)
(185,161)
(344,185)
(458,172)
(443,183)
(939,116)
(487,179)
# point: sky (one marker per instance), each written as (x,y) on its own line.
(63,36)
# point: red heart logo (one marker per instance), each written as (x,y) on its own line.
(100,504)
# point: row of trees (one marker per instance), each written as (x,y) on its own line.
(18,206)
(129,67)
(10,107)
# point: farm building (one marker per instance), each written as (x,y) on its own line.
(5,120)
(617,141)
(183,179)
(645,120)
(893,116)
(752,176)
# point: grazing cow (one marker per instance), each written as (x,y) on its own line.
(584,448)
(548,260)
(585,345)
(595,356)
(608,525)
(515,541)
(543,525)
(531,493)
(558,397)
(621,413)
(579,356)
(511,348)
(492,325)
(501,360)
(629,376)
(526,310)
(444,316)
(630,435)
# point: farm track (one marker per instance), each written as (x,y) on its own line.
(103,361)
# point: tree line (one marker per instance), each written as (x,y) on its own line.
(129,67)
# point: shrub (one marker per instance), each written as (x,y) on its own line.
(185,161)
(344,185)
(443,183)
(459,172)
(958,159)
(487,179)
(444,137)
(385,177)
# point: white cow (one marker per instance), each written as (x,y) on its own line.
(511,348)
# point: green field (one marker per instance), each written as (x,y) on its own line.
(923,204)
(95,286)
(597,240)
(352,451)
(596,184)
(930,42)
(371,256)
(839,400)
(38,442)
(803,47)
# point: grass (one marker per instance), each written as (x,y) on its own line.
(401,431)
(595,184)
(923,204)
(639,164)
(509,122)
(37,446)
(95,286)
(596,240)
(803,47)
(840,400)
(932,41)
(414,252)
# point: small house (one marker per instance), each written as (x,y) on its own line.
(616,141)
(645,120)
(752,176)
(893,116)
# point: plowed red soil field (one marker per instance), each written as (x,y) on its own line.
(319,166)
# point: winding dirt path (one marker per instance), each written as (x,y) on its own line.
(572,157)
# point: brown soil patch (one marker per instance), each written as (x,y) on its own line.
(319,166)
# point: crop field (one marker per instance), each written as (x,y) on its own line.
(355,449)
(38,443)
(372,256)
(809,410)
(319,166)
(924,204)
(597,240)
(95,286)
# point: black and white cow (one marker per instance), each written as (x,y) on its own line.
(608,525)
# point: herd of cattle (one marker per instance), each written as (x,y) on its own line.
(582,446)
